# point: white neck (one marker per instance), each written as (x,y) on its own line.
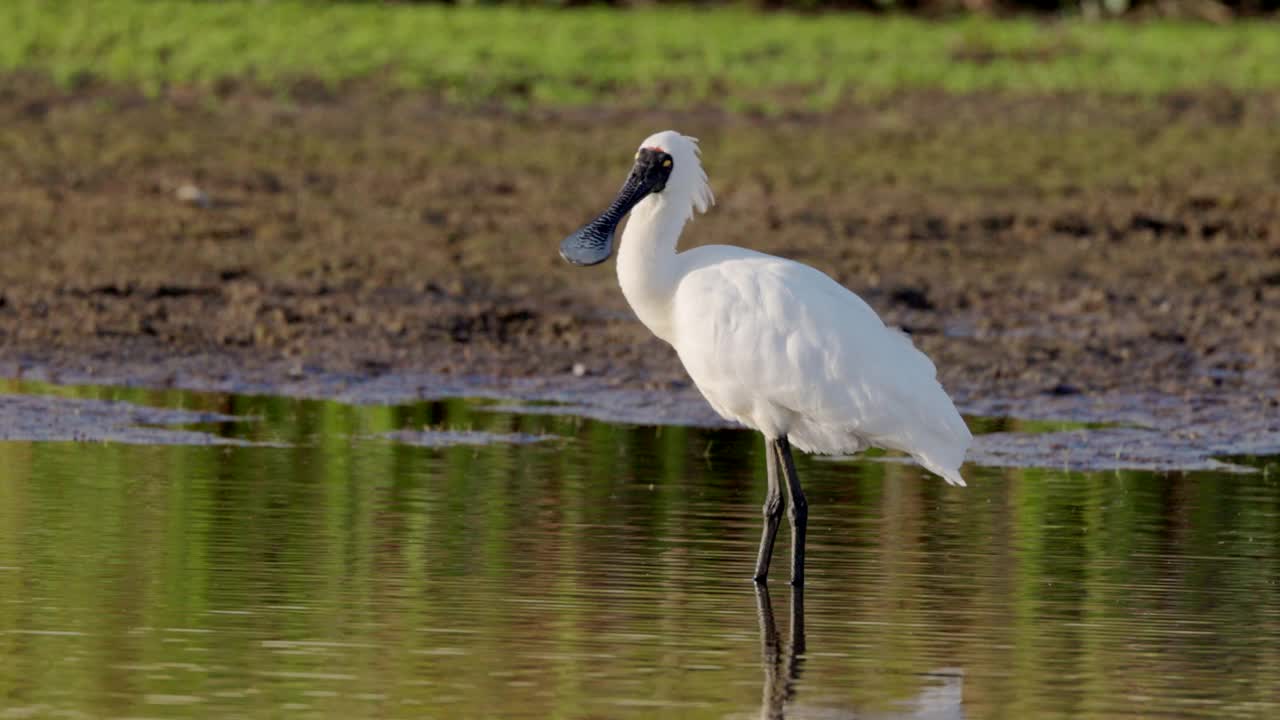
(648,269)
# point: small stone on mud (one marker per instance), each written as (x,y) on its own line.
(913,298)
(579,369)
(193,195)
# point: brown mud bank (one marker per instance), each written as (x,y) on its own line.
(1036,248)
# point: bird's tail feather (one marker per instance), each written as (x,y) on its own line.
(950,474)
(952,477)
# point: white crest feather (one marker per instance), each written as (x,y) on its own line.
(688,182)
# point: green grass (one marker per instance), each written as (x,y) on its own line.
(726,57)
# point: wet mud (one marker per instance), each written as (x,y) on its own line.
(436,438)
(1041,250)
(46,418)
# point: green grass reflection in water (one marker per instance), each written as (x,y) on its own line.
(605,574)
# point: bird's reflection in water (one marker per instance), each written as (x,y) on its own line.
(782,665)
(941,699)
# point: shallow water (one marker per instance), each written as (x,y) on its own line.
(346,564)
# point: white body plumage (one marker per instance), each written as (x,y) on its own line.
(777,345)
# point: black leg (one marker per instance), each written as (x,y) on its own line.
(797,510)
(773,507)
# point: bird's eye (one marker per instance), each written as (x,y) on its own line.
(666,163)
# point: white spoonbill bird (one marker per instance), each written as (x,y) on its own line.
(772,344)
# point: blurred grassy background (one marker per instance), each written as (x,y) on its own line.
(731,57)
(1011,169)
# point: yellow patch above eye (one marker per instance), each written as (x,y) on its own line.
(666,163)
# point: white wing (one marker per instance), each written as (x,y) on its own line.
(781,347)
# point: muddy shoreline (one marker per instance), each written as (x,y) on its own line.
(1228,432)
(1041,250)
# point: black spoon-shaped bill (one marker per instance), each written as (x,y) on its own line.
(593,243)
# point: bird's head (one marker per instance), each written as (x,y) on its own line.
(667,174)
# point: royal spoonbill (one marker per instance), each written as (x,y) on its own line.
(772,344)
